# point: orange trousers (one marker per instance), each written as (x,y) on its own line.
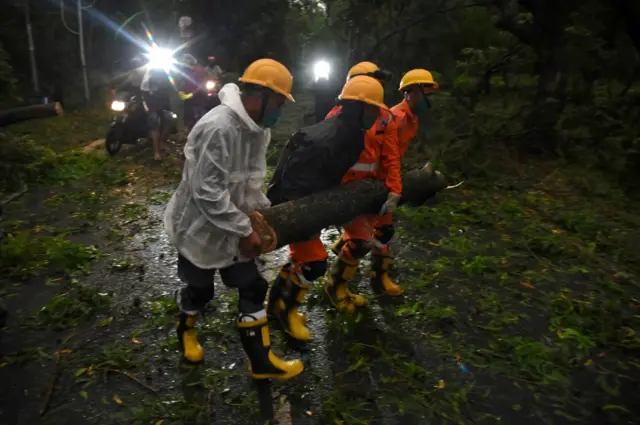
(363,226)
(308,251)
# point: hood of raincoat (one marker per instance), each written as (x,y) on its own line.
(224,170)
(230,96)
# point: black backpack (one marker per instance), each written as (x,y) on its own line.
(317,157)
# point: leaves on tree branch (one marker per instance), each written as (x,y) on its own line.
(405,26)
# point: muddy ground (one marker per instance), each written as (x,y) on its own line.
(521,306)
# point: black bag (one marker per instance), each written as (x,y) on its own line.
(317,157)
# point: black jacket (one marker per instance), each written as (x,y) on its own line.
(317,157)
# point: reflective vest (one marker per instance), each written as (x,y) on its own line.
(380,153)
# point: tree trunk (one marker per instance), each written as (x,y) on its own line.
(550,99)
(296,221)
(10,116)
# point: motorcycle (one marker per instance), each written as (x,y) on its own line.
(212,87)
(202,104)
(129,122)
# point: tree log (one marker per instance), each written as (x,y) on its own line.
(10,116)
(298,220)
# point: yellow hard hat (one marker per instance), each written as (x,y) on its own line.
(271,74)
(362,68)
(364,89)
(417,76)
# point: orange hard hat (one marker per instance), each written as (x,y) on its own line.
(365,89)
(271,74)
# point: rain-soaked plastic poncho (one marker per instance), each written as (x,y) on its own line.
(223,174)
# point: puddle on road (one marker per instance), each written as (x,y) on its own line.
(158,254)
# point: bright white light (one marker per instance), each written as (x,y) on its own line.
(210,85)
(160,58)
(321,69)
(117,105)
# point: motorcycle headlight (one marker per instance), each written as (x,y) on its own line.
(321,69)
(160,58)
(117,105)
(210,85)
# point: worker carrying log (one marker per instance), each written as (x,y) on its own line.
(381,152)
(381,160)
(206,218)
(315,159)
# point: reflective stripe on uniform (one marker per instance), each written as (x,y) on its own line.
(361,166)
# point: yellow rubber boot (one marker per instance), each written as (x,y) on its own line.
(263,363)
(356,299)
(380,280)
(191,348)
(287,294)
(337,286)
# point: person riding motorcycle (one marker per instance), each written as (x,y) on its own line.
(315,159)
(129,81)
(213,69)
(156,88)
(194,92)
(416,86)
(136,74)
(207,217)
(325,93)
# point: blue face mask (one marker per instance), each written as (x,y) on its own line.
(422,106)
(271,118)
(368,121)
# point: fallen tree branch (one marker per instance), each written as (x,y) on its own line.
(11,116)
(134,379)
(52,386)
(297,220)
(13,196)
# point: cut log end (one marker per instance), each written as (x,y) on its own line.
(58,108)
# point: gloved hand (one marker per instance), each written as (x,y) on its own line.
(250,245)
(390,206)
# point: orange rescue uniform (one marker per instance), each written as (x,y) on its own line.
(380,159)
(407,128)
(407,125)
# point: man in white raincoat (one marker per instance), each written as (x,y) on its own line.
(225,168)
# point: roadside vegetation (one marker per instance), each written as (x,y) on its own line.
(522,297)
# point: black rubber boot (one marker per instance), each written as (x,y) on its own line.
(283,306)
(263,363)
(381,283)
(337,286)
